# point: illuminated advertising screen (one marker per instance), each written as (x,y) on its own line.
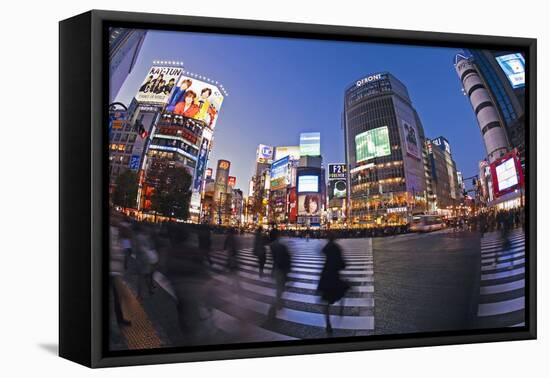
(372,143)
(264,154)
(158,85)
(308,184)
(513,66)
(310,144)
(411,140)
(280,176)
(292,206)
(506,174)
(309,204)
(337,171)
(292,151)
(201,164)
(197,99)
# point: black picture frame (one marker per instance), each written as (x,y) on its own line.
(83,227)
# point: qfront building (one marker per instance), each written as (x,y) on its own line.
(384,152)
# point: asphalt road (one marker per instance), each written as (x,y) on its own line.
(426,282)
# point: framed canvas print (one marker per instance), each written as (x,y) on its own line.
(233,188)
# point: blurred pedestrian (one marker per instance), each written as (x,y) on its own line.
(232,249)
(331,286)
(281,267)
(146,259)
(116,269)
(189,277)
(205,242)
(260,250)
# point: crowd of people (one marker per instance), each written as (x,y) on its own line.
(183,253)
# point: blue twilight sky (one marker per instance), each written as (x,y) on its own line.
(280,87)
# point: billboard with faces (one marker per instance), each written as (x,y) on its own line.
(309,204)
(158,85)
(197,99)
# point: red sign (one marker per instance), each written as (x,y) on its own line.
(506,174)
(208,172)
(292,206)
(232,181)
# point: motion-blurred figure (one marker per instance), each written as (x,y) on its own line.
(331,286)
(146,259)
(205,242)
(189,275)
(259,249)
(116,269)
(232,248)
(281,267)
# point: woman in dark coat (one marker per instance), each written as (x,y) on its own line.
(259,250)
(331,286)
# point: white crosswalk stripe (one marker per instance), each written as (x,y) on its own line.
(502,288)
(301,308)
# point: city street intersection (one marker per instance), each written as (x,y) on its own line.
(409,283)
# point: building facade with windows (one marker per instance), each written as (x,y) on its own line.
(384,146)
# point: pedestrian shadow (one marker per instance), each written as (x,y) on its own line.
(52,348)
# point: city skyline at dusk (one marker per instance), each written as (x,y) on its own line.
(297,86)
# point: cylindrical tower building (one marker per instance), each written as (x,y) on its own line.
(494,135)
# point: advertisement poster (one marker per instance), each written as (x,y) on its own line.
(196,99)
(337,171)
(264,154)
(201,164)
(513,66)
(310,144)
(292,206)
(158,85)
(293,152)
(411,140)
(372,143)
(280,174)
(506,174)
(309,205)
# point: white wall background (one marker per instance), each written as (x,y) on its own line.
(29,186)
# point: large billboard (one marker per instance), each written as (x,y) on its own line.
(264,154)
(411,140)
(310,144)
(337,171)
(513,66)
(292,151)
(196,99)
(308,183)
(280,174)
(372,143)
(506,174)
(158,85)
(292,206)
(202,159)
(309,204)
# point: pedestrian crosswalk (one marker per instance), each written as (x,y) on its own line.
(244,300)
(502,285)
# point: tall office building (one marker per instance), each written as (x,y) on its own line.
(491,127)
(444,175)
(384,152)
(124,47)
